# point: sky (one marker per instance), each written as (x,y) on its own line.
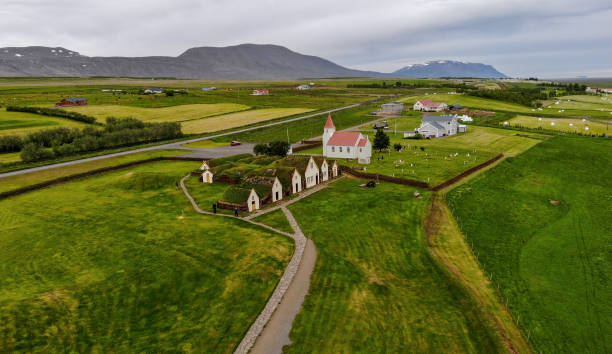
(543,38)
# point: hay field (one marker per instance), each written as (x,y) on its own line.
(163,114)
(233,120)
(19,123)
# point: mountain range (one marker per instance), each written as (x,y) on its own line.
(244,61)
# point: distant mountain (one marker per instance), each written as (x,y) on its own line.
(245,61)
(448,68)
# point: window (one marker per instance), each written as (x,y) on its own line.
(311,164)
(340,148)
(360,150)
(348,149)
(333,149)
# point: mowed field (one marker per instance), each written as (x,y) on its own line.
(162,114)
(234,120)
(560,124)
(122,263)
(19,123)
(374,288)
(437,162)
(468,101)
(32,178)
(540,225)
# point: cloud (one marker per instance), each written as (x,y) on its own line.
(545,38)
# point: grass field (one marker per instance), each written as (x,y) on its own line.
(306,128)
(28,179)
(374,287)
(233,120)
(581,102)
(435,165)
(468,101)
(122,263)
(540,225)
(276,219)
(560,124)
(19,123)
(162,114)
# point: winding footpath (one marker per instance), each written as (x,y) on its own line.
(270,331)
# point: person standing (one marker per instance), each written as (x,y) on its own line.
(236,212)
(214,208)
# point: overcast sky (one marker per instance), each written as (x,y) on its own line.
(561,38)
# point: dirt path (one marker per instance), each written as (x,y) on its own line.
(276,333)
(270,331)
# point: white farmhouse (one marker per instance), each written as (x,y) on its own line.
(439,126)
(346,145)
(429,106)
(311,173)
(277,190)
(303,87)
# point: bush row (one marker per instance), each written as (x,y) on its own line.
(51,143)
(53,112)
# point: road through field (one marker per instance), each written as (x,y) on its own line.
(175,145)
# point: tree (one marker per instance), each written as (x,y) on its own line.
(261,149)
(381,140)
(279,148)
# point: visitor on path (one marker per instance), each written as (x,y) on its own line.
(214,208)
(236,212)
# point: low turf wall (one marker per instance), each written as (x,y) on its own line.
(65,179)
(467,173)
(408,182)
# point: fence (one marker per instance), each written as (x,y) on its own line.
(467,173)
(408,182)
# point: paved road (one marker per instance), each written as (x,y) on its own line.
(175,145)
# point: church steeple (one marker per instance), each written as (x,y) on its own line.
(328,130)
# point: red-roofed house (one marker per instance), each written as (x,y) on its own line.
(429,106)
(345,145)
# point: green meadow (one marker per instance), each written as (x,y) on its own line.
(374,287)
(276,219)
(121,263)
(19,123)
(539,224)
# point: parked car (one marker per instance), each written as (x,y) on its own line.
(235,143)
(383,125)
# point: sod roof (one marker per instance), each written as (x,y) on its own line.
(236,194)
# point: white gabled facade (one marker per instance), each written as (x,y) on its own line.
(429,106)
(439,126)
(296,182)
(204,166)
(335,170)
(253,201)
(324,170)
(207,176)
(311,173)
(277,190)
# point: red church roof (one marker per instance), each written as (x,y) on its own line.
(344,138)
(363,142)
(330,123)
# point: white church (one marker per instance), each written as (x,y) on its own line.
(345,145)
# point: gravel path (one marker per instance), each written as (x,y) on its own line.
(270,331)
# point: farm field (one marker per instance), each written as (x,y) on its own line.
(374,286)
(582,102)
(538,223)
(305,128)
(468,101)
(162,114)
(19,123)
(121,263)
(28,179)
(435,165)
(559,124)
(233,120)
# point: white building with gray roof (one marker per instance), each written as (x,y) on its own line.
(439,126)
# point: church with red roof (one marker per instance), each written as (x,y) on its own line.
(345,145)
